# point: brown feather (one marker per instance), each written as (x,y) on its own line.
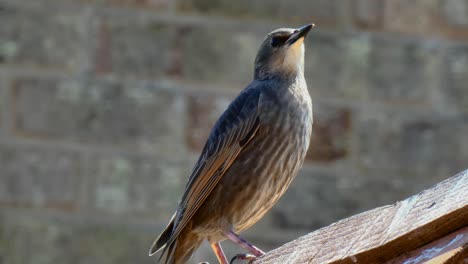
(207,180)
(214,161)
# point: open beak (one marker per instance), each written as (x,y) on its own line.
(299,33)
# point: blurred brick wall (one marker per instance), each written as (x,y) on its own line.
(104,105)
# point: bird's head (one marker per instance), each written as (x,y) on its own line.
(282,53)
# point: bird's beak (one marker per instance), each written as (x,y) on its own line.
(299,33)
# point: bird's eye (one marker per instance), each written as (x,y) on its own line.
(278,41)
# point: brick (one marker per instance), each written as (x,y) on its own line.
(455,12)
(403,71)
(354,82)
(3,102)
(330,134)
(360,66)
(35,177)
(133,47)
(410,142)
(68,240)
(342,193)
(375,68)
(368,13)
(37,38)
(323,63)
(3,243)
(218,56)
(410,16)
(203,111)
(139,186)
(321,12)
(134,116)
(337,66)
(454,89)
(152,4)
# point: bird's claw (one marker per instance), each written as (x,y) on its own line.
(250,258)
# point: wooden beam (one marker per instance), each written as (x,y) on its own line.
(449,249)
(386,233)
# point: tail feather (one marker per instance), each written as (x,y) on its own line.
(169,253)
(161,241)
(178,250)
(170,256)
(182,250)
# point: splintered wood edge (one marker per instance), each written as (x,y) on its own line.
(384,233)
(448,249)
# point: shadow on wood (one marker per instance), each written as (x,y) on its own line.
(430,227)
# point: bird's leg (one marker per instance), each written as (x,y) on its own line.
(219,253)
(246,245)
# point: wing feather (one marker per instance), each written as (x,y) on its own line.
(234,129)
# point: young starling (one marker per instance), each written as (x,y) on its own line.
(252,154)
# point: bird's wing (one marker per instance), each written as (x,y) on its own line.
(234,129)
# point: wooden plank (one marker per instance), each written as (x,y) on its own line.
(444,250)
(384,233)
(460,258)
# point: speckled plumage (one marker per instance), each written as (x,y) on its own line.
(253,153)
(266,167)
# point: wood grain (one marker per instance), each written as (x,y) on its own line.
(386,233)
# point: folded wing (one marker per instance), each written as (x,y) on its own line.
(232,132)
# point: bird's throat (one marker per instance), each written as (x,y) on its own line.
(294,59)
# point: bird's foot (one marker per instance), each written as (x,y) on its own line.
(250,258)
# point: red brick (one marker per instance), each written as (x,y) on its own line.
(427,17)
(410,16)
(330,133)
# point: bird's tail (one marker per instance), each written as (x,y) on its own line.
(179,251)
(161,241)
(182,250)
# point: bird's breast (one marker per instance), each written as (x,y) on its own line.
(284,138)
(263,169)
(274,157)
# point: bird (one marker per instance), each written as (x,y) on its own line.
(251,156)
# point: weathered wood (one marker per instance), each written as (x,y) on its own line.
(385,233)
(448,249)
